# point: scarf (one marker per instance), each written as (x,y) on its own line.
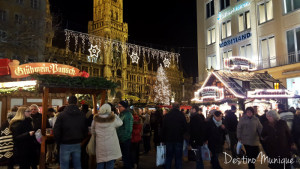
(217,123)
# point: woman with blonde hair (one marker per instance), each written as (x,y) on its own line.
(107,143)
(24,139)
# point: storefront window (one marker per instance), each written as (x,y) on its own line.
(293,84)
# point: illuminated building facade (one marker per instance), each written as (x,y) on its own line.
(25,29)
(267,32)
(136,80)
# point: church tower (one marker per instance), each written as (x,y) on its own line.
(108,23)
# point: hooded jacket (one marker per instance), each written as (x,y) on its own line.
(107,142)
(125,131)
(70,126)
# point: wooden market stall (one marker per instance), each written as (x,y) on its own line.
(76,85)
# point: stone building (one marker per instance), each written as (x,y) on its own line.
(265,32)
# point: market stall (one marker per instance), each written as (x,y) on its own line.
(48,78)
(224,88)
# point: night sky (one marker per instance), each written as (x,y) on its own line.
(159,24)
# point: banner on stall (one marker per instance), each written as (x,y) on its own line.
(24,70)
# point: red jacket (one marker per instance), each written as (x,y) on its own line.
(136,129)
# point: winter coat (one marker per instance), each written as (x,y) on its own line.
(288,117)
(248,130)
(25,149)
(70,126)
(215,136)
(278,141)
(197,130)
(231,121)
(37,121)
(7,144)
(125,131)
(296,131)
(136,129)
(107,142)
(174,126)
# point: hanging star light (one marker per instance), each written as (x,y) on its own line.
(94,53)
(167,62)
(135,58)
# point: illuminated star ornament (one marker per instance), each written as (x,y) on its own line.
(135,58)
(166,62)
(94,53)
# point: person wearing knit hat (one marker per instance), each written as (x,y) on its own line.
(124,133)
(107,143)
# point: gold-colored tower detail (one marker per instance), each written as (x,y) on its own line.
(108,23)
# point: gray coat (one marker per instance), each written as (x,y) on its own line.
(248,130)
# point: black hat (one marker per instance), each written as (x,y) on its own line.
(233,107)
(124,104)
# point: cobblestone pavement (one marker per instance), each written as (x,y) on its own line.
(149,162)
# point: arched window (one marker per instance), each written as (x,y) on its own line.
(119,73)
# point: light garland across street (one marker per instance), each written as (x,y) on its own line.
(134,51)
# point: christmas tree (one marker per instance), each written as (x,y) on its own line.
(162,89)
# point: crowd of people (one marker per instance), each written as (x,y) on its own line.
(120,130)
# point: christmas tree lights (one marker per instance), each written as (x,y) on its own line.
(162,88)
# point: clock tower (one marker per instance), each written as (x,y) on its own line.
(108,23)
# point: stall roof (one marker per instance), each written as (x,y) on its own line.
(233,81)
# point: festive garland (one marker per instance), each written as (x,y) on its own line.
(77,81)
(16,89)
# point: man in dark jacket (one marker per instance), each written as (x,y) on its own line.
(231,122)
(174,127)
(197,132)
(215,135)
(69,130)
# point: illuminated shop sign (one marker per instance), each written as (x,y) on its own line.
(210,93)
(230,11)
(270,93)
(239,63)
(21,71)
(234,40)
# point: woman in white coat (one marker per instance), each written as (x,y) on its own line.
(107,143)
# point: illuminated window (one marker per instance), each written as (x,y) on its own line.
(211,61)
(227,54)
(226,29)
(3,15)
(211,36)
(267,52)
(244,21)
(210,9)
(246,51)
(276,85)
(265,11)
(291,5)
(293,45)
(224,4)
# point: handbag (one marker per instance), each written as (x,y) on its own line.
(194,155)
(160,155)
(205,153)
(91,146)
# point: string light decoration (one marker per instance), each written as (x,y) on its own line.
(94,53)
(162,88)
(135,58)
(167,62)
(108,44)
